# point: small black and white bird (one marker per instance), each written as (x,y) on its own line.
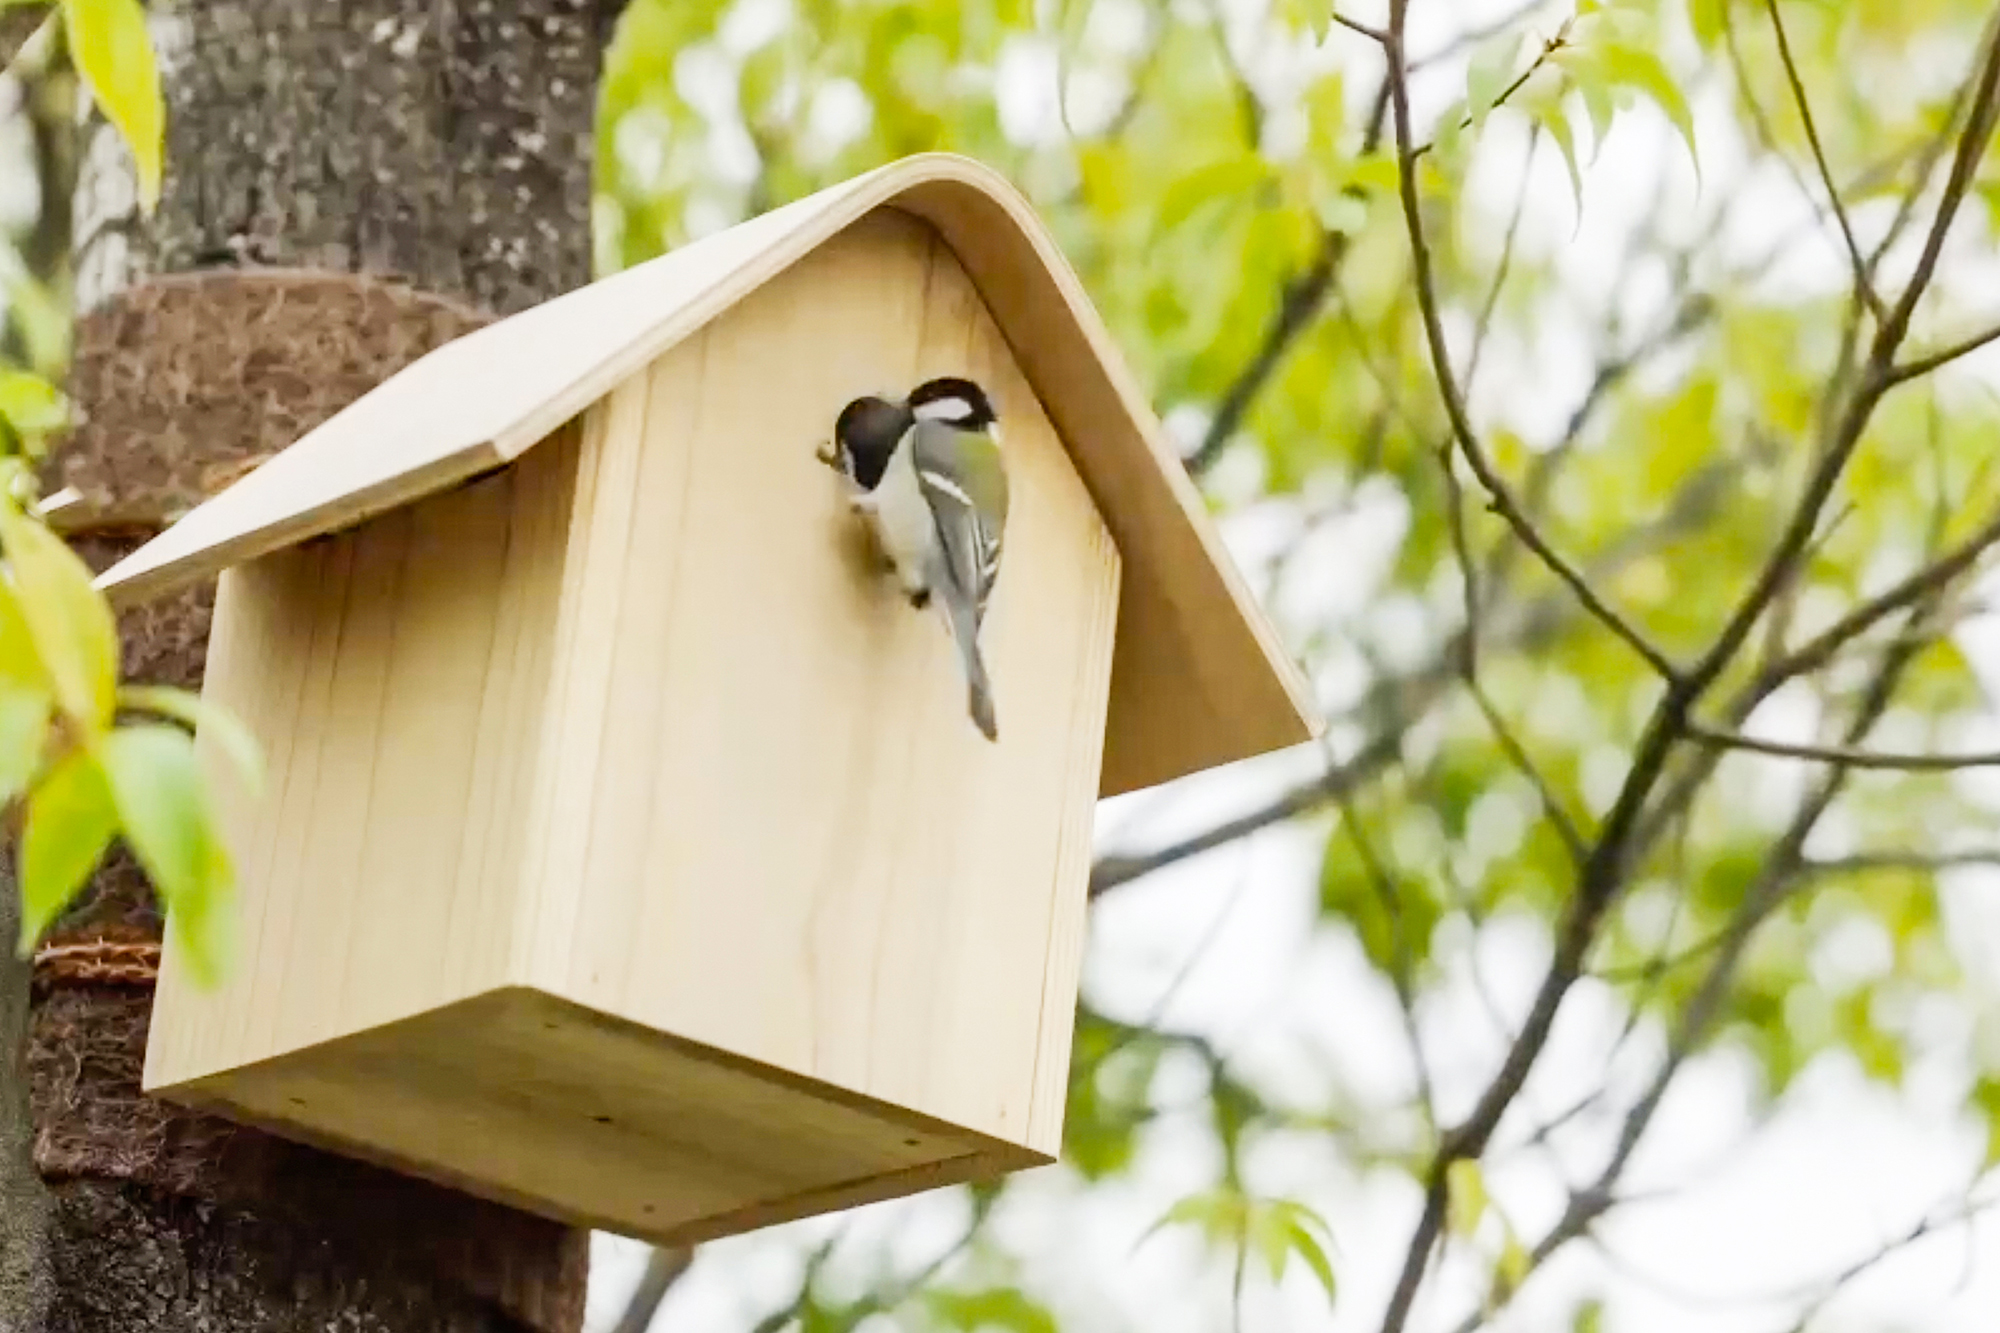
(927,475)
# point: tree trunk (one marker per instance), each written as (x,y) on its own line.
(348,186)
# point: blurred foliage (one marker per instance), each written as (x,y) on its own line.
(1654,399)
(83,758)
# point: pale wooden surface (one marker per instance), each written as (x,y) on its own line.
(381,867)
(580,729)
(600,1123)
(1199,678)
(778,832)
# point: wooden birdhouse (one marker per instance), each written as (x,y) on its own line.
(626,852)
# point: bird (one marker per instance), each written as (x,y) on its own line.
(926,472)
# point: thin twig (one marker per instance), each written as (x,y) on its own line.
(1836,754)
(1778,878)
(1372,33)
(1112,872)
(664,1267)
(1924,365)
(1863,862)
(1297,308)
(1500,495)
(1517,754)
(1818,650)
(1864,289)
(1483,326)
(1402,974)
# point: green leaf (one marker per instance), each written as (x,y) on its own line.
(1986,1097)
(1219,1214)
(20,662)
(114,53)
(1452,126)
(1512,1267)
(70,821)
(1465,1198)
(74,634)
(1374,174)
(1207,186)
(1639,68)
(204,719)
(1309,1248)
(1551,115)
(1268,1234)
(1709,19)
(1343,214)
(163,811)
(24,731)
(41,319)
(30,403)
(1306,1234)
(1487,76)
(1006,1308)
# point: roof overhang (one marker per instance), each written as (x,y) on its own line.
(1199,678)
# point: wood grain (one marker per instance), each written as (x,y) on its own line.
(638,731)
(1199,678)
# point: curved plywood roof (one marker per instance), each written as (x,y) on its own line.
(1198,677)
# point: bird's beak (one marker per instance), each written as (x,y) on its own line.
(827,455)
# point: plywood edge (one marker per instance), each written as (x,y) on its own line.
(969,1168)
(960,1169)
(187,553)
(1239,695)
(972,1156)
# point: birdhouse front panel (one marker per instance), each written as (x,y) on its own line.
(628,852)
(770,826)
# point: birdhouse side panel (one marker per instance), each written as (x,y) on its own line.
(773,828)
(395,675)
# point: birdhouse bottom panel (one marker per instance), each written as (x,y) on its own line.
(535,1102)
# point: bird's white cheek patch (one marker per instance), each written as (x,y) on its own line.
(944,409)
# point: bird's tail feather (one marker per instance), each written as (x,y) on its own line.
(963,620)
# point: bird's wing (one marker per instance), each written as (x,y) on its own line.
(965,483)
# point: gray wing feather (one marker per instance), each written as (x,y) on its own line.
(952,479)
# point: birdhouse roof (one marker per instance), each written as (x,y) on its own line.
(1198,677)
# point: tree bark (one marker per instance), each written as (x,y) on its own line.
(347,187)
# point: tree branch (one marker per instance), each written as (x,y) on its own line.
(1373,34)
(664,1267)
(1845,756)
(1924,365)
(1601,876)
(1296,311)
(1780,875)
(1517,754)
(1500,495)
(1112,872)
(1402,975)
(1864,289)
(1833,460)
(19,25)
(1863,862)
(1816,651)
